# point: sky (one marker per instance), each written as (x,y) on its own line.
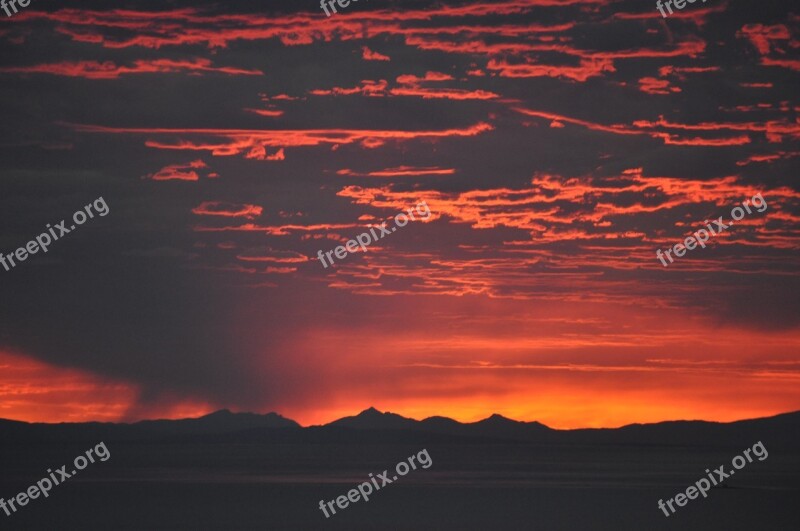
(558,144)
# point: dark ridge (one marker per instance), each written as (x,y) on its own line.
(376,426)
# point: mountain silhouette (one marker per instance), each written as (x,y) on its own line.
(372,425)
(375,420)
(218,422)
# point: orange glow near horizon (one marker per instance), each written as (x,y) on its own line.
(35,391)
(573,408)
(565,372)
(568,373)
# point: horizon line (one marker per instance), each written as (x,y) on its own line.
(228,410)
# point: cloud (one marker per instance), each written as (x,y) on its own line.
(272,255)
(110,70)
(252,143)
(179,172)
(230,210)
(369,55)
(400,171)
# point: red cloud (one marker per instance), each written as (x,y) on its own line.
(401,171)
(442,93)
(763,36)
(231,210)
(652,85)
(588,68)
(278,230)
(773,130)
(118,28)
(266,112)
(380,89)
(773,40)
(369,55)
(252,143)
(110,70)
(409,79)
(367,88)
(273,255)
(179,172)
(698,15)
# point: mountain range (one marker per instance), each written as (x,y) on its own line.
(372,425)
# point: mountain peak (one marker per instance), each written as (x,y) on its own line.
(228,419)
(371,418)
(218,414)
(497,418)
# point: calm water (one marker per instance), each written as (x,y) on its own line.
(468,487)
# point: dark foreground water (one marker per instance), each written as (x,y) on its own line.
(468,487)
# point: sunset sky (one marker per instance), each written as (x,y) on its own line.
(557,143)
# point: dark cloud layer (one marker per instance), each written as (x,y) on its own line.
(558,143)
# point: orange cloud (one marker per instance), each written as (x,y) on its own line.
(179,172)
(659,129)
(117,28)
(266,112)
(400,171)
(588,68)
(442,93)
(369,55)
(110,70)
(231,210)
(278,230)
(252,143)
(410,88)
(272,255)
(697,14)
(652,85)
(772,41)
(409,79)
